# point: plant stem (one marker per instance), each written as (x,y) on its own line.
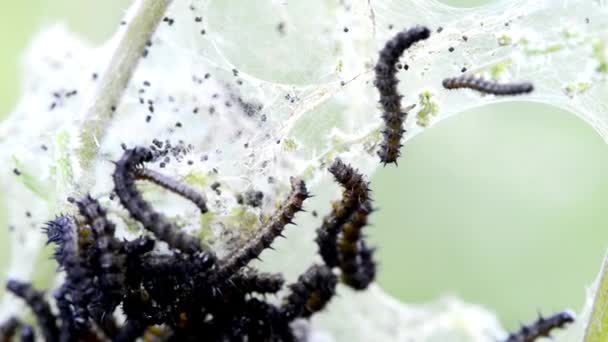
(595,331)
(144,19)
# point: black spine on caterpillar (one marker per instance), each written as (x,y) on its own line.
(365,272)
(271,230)
(310,293)
(27,334)
(542,327)
(8,329)
(249,280)
(386,82)
(486,86)
(130,197)
(64,233)
(61,232)
(110,257)
(355,191)
(173,186)
(42,310)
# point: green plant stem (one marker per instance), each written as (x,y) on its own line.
(146,16)
(598,321)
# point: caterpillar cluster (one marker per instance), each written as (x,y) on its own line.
(189,293)
(486,86)
(386,83)
(542,327)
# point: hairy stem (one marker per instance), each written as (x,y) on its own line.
(144,19)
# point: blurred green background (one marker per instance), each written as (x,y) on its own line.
(503,206)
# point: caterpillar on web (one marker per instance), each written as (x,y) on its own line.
(124,176)
(356,259)
(486,86)
(364,271)
(110,257)
(65,234)
(173,186)
(310,293)
(355,191)
(250,280)
(272,329)
(340,236)
(271,230)
(542,327)
(386,82)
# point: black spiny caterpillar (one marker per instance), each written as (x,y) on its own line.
(310,293)
(124,185)
(542,327)
(386,82)
(173,186)
(355,191)
(250,280)
(339,238)
(109,256)
(68,238)
(272,229)
(486,86)
(356,259)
